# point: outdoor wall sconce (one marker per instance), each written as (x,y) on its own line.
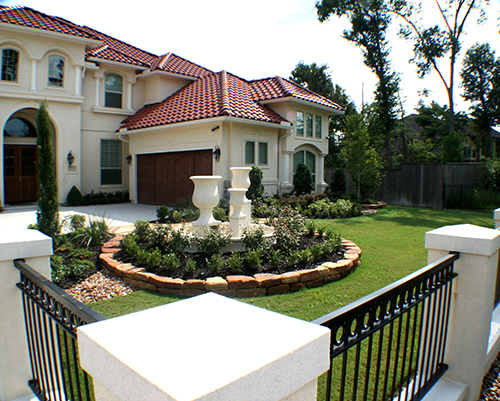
(70,158)
(216,153)
(129,159)
(215,128)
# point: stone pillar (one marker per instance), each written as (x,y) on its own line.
(472,300)
(321,185)
(35,248)
(97,102)
(496,217)
(78,80)
(204,348)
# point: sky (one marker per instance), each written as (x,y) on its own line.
(262,38)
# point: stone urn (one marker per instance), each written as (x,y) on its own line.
(241,180)
(205,198)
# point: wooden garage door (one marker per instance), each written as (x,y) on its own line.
(163,178)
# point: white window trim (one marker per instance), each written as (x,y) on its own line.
(123,99)
(258,153)
(19,63)
(65,72)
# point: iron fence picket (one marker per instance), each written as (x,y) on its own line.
(51,321)
(408,321)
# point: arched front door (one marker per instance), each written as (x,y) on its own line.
(19,160)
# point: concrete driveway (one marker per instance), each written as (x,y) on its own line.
(119,215)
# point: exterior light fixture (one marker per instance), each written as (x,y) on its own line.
(215,128)
(216,153)
(70,158)
(129,159)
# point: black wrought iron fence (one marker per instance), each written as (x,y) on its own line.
(391,344)
(52,318)
(466,197)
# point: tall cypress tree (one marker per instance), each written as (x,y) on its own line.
(48,213)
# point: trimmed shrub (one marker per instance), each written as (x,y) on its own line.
(74,197)
(162,212)
(256,188)
(303,182)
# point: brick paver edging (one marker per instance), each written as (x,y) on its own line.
(232,286)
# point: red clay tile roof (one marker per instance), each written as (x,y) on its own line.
(28,17)
(214,95)
(277,87)
(112,49)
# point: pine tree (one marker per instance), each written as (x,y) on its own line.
(48,213)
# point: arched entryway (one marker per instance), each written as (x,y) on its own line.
(20,157)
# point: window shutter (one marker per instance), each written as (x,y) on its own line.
(249,152)
(262,153)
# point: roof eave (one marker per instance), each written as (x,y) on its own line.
(293,99)
(117,63)
(50,34)
(169,74)
(281,125)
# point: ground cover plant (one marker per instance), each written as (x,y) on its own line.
(168,251)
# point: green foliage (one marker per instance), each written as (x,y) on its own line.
(288,228)
(256,188)
(48,214)
(481,83)
(213,240)
(172,261)
(77,221)
(104,198)
(253,238)
(216,263)
(190,266)
(337,185)
(152,257)
(325,208)
(235,262)
(491,174)
(362,161)
(76,269)
(220,214)
(176,216)
(93,233)
(74,197)
(254,258)
(303,182)
(143,231)
(452,148)
(276,257)
(162,212)
(130,244)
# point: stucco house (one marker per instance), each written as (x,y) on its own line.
(126,119)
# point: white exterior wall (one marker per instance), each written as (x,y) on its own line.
(64,103)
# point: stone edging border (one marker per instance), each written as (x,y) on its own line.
(232,286)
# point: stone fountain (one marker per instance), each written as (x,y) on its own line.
(206,197)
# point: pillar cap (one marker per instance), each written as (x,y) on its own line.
(466,238)
(206,348)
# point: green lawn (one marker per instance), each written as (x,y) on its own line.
(392,242)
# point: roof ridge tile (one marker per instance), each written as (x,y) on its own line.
(226,111)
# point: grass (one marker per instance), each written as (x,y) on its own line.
(392,242)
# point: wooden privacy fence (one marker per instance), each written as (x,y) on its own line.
(419,184)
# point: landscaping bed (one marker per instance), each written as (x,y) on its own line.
(258,284)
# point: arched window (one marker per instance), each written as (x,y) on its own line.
(19,128)
(307,158)
(113,90)
(56,70)
(10,65)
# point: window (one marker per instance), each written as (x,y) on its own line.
(56,70)
(262,153)
(113,88)
(309,125)
(317,126)
(10,63)
(307,158)
(250,152)
(19,128)
(111,162)
(300,123)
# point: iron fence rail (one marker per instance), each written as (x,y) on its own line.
(468,197)
(52,318)
(391,343)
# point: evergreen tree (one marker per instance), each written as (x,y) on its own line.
(303,182)
(48,213)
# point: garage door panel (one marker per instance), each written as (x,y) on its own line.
(163,178)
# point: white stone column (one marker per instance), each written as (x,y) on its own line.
(35,248)
(496,217)
(205,348)
(34,64)
(97,91)
(286,171)
(128,95)
(320,174)
(78,80)
(472,300)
